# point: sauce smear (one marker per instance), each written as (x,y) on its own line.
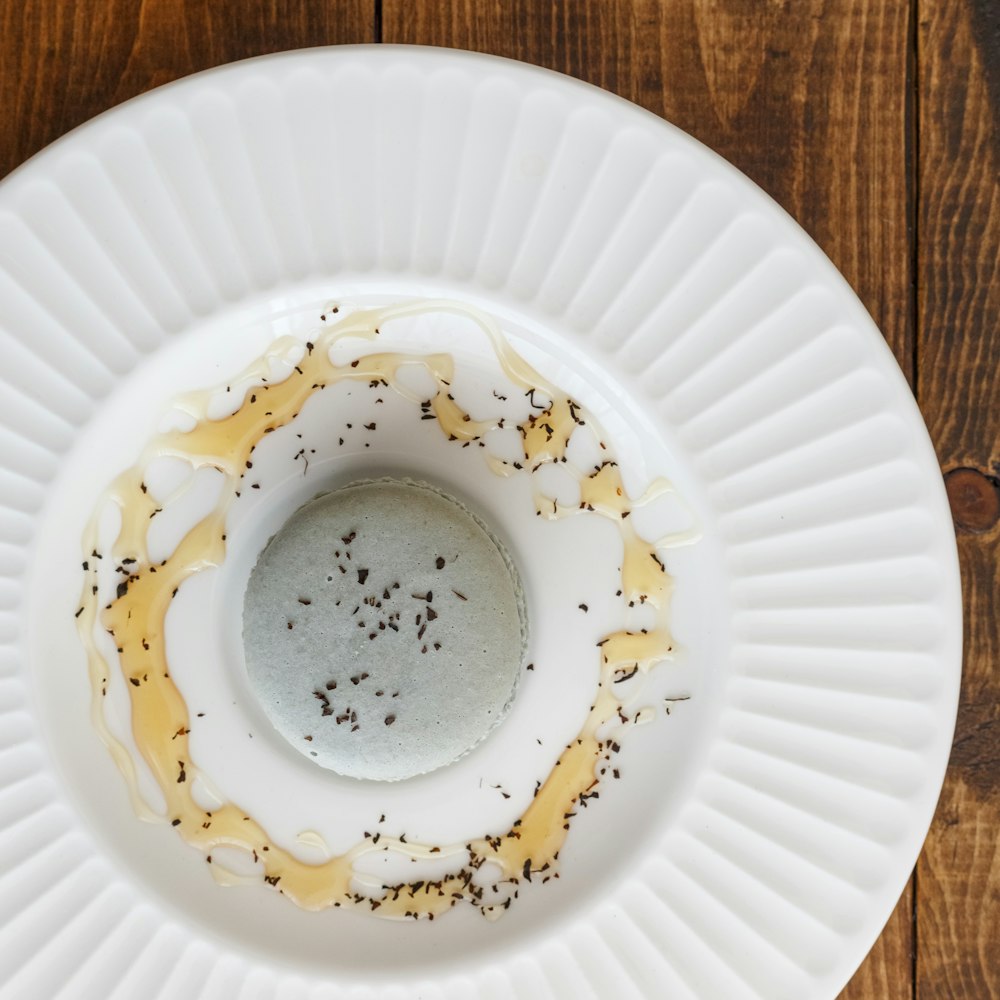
(134,616)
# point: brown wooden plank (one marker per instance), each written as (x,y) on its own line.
(809,99)
(959,391)
(611,43)
(62,63)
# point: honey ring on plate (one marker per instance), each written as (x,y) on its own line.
(134,616)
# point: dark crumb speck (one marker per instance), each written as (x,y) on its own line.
(583,608)
(390,719)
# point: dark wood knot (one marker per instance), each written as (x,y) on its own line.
(974,498)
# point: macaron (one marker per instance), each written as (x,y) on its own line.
(384,629)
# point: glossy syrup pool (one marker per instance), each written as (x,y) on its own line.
(568,564)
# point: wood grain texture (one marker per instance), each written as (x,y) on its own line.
(610,43)
(62,63)
(959,391)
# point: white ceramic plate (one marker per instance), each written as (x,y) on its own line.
(761,833)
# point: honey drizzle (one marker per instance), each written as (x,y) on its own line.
(135,617)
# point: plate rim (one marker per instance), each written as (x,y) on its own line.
(886,361)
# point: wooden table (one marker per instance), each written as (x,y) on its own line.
(875,123)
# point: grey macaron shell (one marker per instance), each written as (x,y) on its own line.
(384,628)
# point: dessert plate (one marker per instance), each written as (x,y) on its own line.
(767,814)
